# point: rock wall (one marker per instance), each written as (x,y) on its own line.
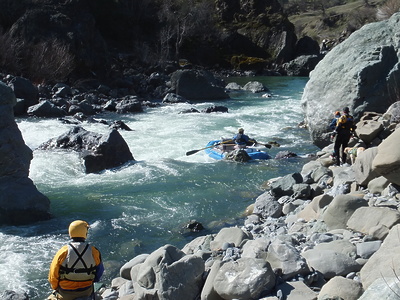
(20,201)
(361,73)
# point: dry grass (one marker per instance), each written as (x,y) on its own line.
(335,20)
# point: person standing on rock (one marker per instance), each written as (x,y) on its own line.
(76,266)
(343,131)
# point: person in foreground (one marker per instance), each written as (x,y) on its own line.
(240,139)
(76,266)
(343,132)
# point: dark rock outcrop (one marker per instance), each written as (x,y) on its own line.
(197,85)
(359,73)
(99,152)
(20,201)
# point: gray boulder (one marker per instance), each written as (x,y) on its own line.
(20,201)
(197,85)
(231,235)
(168,273)
(284,256)
(330,263)
(25,90)
(302,65)
(173,98)
(284,186)
(296,290)
(359,73)
(99,152)
(255,87)
(374,221)
(267,206)
(341,209)
(387,160)
(385,288)
(129,106)
(378,185)
(384,263)
(314,209)
(366,249)
(368,130)
(245,278)
(341,287)
(257,248)
(46,109)
(363,170)
(125,271)
(208,292)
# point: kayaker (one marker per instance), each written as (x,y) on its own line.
(76,266)
(240,139)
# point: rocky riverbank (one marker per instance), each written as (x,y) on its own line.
(324,233)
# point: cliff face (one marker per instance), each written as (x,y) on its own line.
(20,201)
(81,38)
(361,73)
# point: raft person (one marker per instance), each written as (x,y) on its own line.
(240,139)
(344,130)
(76,266)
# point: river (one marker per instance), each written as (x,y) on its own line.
(142,206)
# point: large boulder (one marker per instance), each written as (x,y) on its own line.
(168,273)
(341,287)
(387,160)
(25,90)
(197,85)
(362,167)
(374,221)
(283,255)
(384,263)
(245,278)
(359,73)
(99,152)
(20,201)
(341,209)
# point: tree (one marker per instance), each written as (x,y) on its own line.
(182,19)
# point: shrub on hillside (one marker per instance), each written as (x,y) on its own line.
(388,9)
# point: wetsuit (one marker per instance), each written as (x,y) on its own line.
(344,130)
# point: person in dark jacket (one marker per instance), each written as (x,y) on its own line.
(343,132)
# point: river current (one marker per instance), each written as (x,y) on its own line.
(142,206)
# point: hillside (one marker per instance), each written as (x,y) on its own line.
(336,22)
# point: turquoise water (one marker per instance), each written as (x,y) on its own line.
(145,205)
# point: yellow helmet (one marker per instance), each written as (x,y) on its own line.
(241,130)
(78,229)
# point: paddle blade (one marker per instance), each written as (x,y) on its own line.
(191,152)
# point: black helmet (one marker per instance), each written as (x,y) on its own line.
(346,110)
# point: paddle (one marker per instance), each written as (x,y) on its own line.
(212,146)
(258,143)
